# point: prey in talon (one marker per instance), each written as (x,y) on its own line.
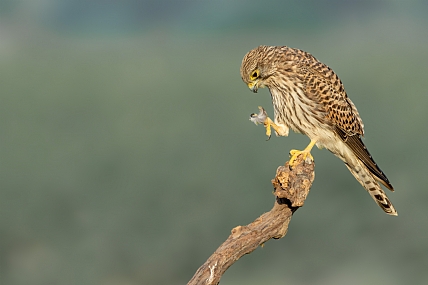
(262,118)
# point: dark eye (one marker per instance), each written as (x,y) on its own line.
(254,75)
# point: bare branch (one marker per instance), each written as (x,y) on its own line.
(291,189)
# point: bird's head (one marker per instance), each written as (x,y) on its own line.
(257,67)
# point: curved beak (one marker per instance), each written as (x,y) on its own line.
(253,86)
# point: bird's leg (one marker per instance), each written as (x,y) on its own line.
(268,123)
(306,153)
(262,117)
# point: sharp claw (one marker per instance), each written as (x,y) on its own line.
(294,153)
(262,118)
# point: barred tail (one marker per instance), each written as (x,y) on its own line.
(363,175)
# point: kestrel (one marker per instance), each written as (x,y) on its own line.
(309,98)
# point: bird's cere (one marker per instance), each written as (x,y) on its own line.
(253,86)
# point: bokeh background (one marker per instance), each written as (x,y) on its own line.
(127,155)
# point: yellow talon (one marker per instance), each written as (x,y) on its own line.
(306,153)
(295,153)
(262,117)
(268,124)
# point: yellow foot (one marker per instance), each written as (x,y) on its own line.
(294,153)
(268,123)
(262,118)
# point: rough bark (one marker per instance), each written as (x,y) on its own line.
(291,187)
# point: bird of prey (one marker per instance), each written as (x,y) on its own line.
(309,98)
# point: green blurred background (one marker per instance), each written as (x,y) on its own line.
(127,155)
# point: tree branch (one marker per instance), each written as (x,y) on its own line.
(291,189)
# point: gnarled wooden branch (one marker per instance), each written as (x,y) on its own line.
(291,189)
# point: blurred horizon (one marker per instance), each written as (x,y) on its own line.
(126,144)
